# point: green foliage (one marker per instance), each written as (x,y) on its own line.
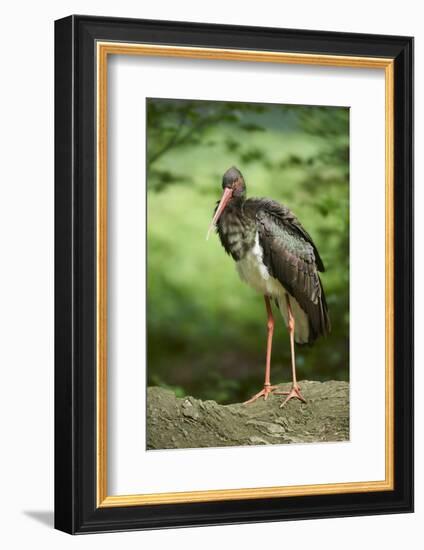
(206,329)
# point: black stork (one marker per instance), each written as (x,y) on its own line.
(276,256)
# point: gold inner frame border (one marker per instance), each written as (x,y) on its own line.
(103,50)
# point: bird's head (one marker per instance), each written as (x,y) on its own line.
(233,186)
(233,180)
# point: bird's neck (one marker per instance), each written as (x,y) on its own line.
(234,208)
(237,202)
(237,228)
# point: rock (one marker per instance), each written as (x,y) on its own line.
(175,423)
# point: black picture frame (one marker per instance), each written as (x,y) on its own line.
(76,509)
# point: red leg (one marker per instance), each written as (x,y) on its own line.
(267,389)
(295,390)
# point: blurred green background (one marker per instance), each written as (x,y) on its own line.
(207,329)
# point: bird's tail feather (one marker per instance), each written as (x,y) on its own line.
(311,322)
(301,323)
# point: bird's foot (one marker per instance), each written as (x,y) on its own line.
(263,393)
(294,393)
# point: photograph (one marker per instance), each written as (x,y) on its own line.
(247,273)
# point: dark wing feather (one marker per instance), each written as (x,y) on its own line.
(291,257)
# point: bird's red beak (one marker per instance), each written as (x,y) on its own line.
(226,196)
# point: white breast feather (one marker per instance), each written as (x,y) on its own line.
(254,272)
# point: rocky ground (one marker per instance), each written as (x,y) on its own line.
(177,423)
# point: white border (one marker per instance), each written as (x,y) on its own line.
(131,469)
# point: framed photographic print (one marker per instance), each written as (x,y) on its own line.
(234,274)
